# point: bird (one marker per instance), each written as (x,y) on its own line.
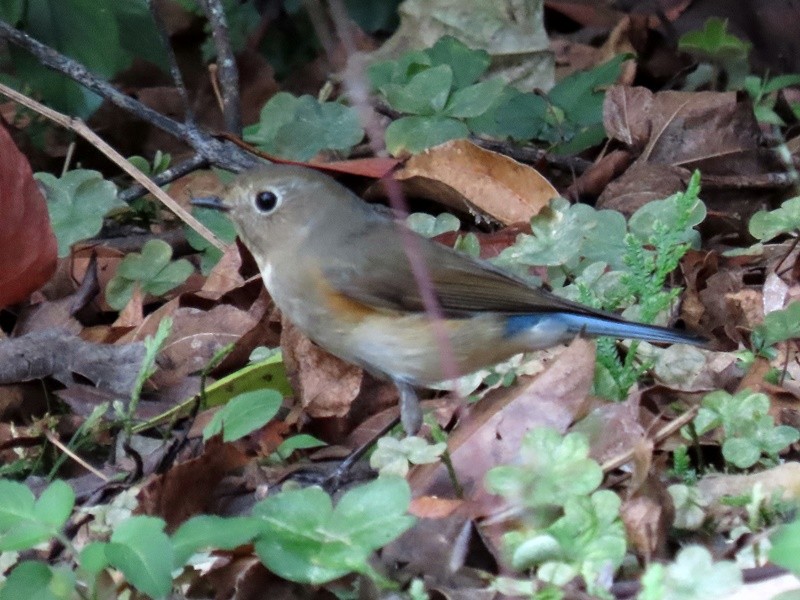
(338,268)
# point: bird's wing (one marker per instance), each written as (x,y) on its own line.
(462,285)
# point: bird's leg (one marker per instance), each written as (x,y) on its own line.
(411,419)
(333,481)
(410,410)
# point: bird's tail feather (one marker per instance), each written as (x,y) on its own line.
(627,330)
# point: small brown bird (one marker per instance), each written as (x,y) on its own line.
(338,269)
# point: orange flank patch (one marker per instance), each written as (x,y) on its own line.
(345,307)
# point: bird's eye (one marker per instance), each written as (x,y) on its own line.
(266,201)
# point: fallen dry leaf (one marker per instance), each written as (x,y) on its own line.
(678,132)
(463,176)
(28,242)
(438,549)
(642,183)
(647,521)
(132,315)
(225,276)
(594,180)
(783,479)
(186,489)
(196,336)
(492,431)
(197,183)
(612,428)
(432,507)
(106,261)
(61,355)
(325,385)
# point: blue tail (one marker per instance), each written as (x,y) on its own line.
(599,325)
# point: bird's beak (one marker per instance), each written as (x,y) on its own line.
(213,202)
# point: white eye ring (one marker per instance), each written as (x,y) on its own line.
(266,201)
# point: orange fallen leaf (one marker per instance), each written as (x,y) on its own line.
(462,175)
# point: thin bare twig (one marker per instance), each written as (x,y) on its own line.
(662,434)
(165,177)
(174,69)
(533,155)
(79,127)
(226,66)
(61,446)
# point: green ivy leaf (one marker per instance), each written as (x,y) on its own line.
(469,244)
(77,202)
(473,101)
(714,42)
(304,539)
(749,430)
(137,32)
(642,222)
(319,126)
(513,114)
(580,96)
(429,226)
(693,576)
(690,506)
(55,504)
(382,73)
(766,225)
(36,580)
(211,531)
(591,535)
(219,223)
(393,456)
(425,94)
(244,414)
(152,270)
(467,64)
(536,550)
(301,441)
(292,542)
(415,134)
(565,234)
(579,139)
(741,452)
(143,552)
(299,128)
(276,113)
(12,11)
(780,82)
(780,325)
(85,30)
(93,557)
(25,521)
(785,550)
(775,439)
(553,468)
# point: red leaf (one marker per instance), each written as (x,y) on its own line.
(28,257)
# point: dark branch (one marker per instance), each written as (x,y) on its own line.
(226,66)
(223,154)
(168,176)
(533,155)
(77,72)
(174,69)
